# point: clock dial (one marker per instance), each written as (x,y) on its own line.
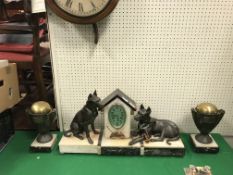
(82,8)
(117,116)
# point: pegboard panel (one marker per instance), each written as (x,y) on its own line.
(167,54)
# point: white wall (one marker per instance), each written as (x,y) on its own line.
(169,54)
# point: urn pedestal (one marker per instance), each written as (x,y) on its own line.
(42,116)
(206,117)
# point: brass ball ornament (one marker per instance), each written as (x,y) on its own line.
(206,108)
(41,108)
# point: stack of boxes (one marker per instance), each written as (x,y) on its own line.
(9,96)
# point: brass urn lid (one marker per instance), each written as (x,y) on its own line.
(207,108)
(41,107)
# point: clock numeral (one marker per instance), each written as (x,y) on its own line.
(93,5)
(69,3)
(80,7)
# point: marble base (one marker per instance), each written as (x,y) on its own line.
(119,147)
(204,148)
(43,147)
(176,148)
(74,145)
(107,146)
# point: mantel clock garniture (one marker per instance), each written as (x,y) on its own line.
(206,116)
(83,11)
(117,136)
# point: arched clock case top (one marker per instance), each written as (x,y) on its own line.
(92,19)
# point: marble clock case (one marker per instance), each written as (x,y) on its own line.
(115,135)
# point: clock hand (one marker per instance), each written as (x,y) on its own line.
(96,32)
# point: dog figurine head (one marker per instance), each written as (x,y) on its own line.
(143,115)
(94,100)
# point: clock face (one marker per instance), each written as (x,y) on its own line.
(82,11)
(82,8)
(117,116)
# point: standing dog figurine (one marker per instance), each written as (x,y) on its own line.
(85,117)
(147,127)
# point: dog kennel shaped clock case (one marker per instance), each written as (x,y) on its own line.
(118,110)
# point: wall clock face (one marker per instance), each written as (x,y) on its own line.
(117,116)
(82,11)
(82,8)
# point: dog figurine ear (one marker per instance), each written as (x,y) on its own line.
(89,96)
(142,107)
(148,110)
(95,93)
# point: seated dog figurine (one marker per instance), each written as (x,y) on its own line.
(85,117)
(147,127)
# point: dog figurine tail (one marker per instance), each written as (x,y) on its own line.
(136,140)
(169,140)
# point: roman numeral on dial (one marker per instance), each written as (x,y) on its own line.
(69,3)
(93,5)
(80,7)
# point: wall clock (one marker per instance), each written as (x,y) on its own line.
(83,11)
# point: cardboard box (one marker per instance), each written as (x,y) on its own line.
(3,63)
(9,87)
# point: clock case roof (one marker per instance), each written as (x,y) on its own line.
(122,96)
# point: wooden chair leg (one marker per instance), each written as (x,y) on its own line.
(36,60)
(3,11)
(40,81)
(23,79)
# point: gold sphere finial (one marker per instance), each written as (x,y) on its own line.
(41,107)
(207,108)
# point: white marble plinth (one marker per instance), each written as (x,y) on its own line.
(213,144)
(74,145)
(163,144)
(43,147)
(162,148)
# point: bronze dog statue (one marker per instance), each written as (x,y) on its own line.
(148,127)
(85,117)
